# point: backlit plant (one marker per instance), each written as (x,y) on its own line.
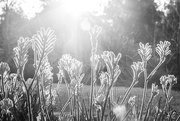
(35,98)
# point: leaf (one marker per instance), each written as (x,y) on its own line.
(21,51)
(44,42)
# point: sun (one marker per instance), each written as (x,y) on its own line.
(79,7)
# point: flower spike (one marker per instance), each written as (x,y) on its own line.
(145,51)
(137,69)
(154,90)
(163,50)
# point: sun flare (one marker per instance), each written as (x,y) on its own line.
(78,7)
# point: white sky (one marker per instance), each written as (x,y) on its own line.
(29,7)
(75,7)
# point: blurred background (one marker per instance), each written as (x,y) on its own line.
(124,24)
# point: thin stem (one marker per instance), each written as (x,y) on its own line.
(44,103)
(39,65)
(40,98)
(153,72)
(3,86)
(74,111)
(147,112)
(35,75)
(51,98)
(128,91)
(104,107)
(144,92)
(28,102)
(69,94)
(66,104)
(86,112)
(92,84)
(78,108)
(15,113)
(20,74)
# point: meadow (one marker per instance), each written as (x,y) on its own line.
(119,93)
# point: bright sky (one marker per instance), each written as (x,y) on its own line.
(78,7)
(29,7)
(161,6)
(72,7)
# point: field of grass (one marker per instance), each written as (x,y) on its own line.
(119,93)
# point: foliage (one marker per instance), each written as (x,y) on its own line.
(34,99)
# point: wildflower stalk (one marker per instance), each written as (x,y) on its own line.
(137,70)
(86,112)
(51,100)
(69,95)
(92,85)
(148,106)
(4,68)
(38,91)
(74,107)
(43,43)
(144,91)
(154,71)
(106,98)
(20,60)
(30,117)
(21,75)
(94,33)
(2,81)
(128,91)
(36,73)
(28,89)
(66,104)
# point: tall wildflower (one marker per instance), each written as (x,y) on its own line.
(163,50)
(11,83)
(111,62)
(137,69)
(45,73)
(4,69)
(43,44)
(167,82)
(6,104)
(145,52)
(154,90)
(74,69)
(132,102)
(20,61)
(21,51)
(4,73)
(101,93)
(113,71)
(154,93)
(94,33)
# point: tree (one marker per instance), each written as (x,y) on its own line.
(14,14)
